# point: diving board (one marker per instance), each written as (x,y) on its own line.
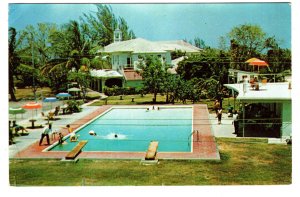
(152,150)
(76,150)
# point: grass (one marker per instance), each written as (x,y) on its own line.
(147,99)
(243,162)
(27,93)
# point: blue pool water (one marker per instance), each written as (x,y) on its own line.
(135,129)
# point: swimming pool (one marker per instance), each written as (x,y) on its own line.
(135,129)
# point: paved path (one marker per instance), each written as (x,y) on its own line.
(225,129)
(23,142)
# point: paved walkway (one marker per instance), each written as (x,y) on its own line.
(23,142)
(225,129)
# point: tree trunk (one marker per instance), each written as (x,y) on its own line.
(154,99)
(167,97)
(11,87)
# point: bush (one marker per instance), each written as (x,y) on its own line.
(74,106)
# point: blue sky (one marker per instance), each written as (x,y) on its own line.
(170,21)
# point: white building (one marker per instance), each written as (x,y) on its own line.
(266,111)
(127,54)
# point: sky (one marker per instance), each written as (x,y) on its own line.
(167,21)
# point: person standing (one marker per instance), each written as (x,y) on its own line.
(219,115)
(216,106)
(46,133)
(235,122)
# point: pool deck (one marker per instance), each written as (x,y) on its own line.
(204,144)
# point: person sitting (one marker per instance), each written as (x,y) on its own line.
(60,138)
(54,133)
(91,132)
(57,109)
(73,137)
(17,128)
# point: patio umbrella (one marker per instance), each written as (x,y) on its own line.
(32,106)
(16,110)
(50,100)
(76,90)
(257,62)
(63,94)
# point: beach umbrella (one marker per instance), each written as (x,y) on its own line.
(257,62)
(16,110)
(74,90)
(252,59)
(63,95)
(32,106)
(50,100)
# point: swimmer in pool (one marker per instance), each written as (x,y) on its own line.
(92,133)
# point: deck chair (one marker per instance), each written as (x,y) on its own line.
(51,115)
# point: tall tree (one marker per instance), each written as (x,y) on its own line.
(70,50)
(207,71)
(246,41)
(198,42)
(14,61)
(102,25)
(153,76)
(278,58)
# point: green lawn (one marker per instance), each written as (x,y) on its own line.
(147,99)
(243,162)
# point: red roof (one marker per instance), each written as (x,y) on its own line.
(132,75)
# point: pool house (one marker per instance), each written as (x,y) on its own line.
(265,109)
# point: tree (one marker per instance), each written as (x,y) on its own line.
(14,61)
(82,77)
(102,24)
(206,72)
(153,74)
(278,58)
(246,41)
(199,43)
(70,49)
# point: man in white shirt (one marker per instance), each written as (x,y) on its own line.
(46,133)
(235,122)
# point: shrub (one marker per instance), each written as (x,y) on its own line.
(74,106)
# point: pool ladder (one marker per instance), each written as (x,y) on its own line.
(189,138)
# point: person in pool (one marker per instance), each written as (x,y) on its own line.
(60,138)
(73,137)
(116,136)
(91,132)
